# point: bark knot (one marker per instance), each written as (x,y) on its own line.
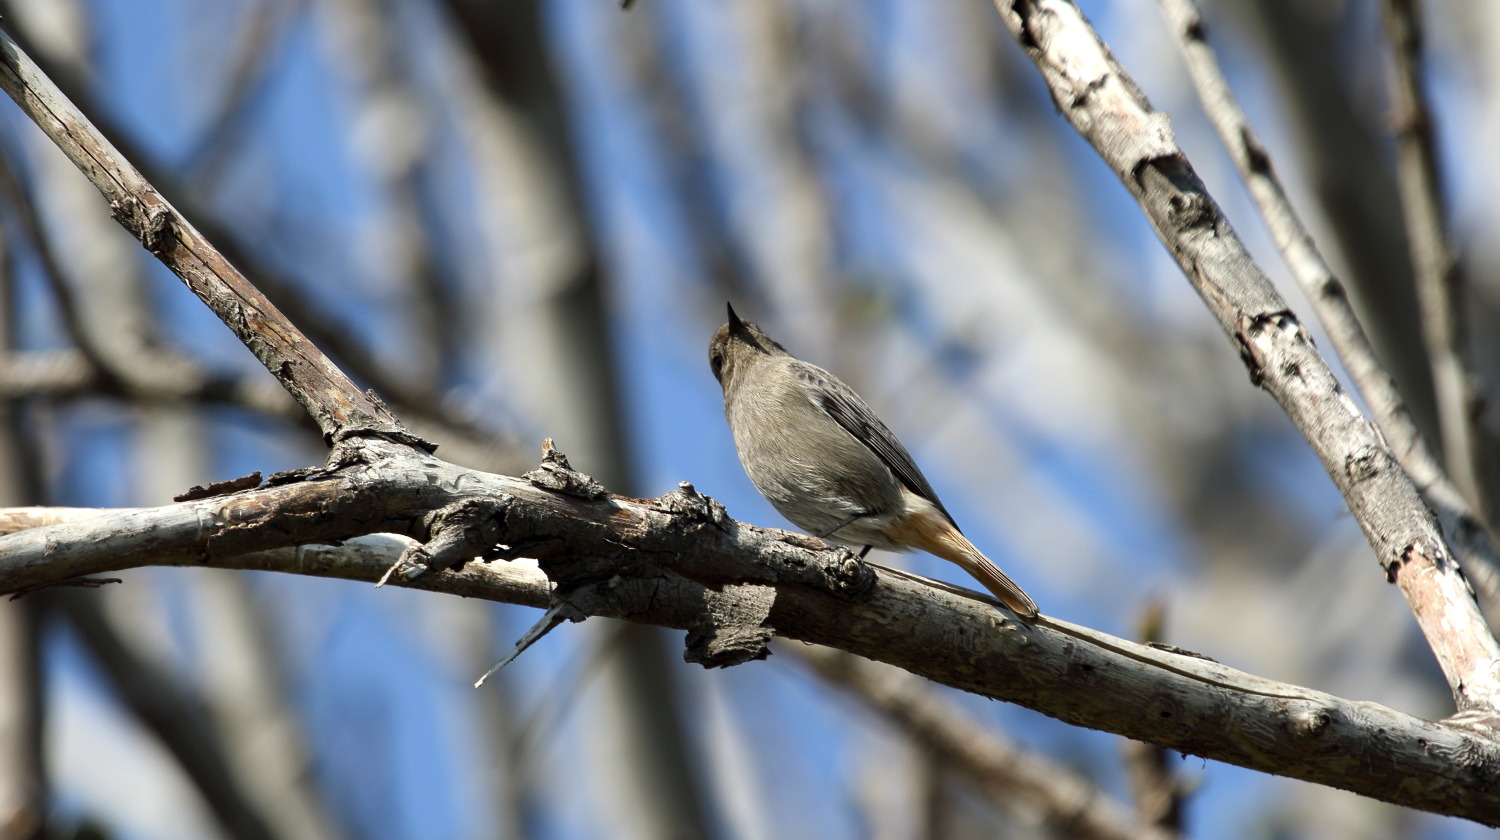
(557,475)
(693,506)
(1363,464)
(1311,721)
(1259,337)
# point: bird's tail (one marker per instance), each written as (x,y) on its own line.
(933,533)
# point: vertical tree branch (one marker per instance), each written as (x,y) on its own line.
(1312,272)
(166,708)
(1436,270)
(562,325)
(1104,104)
(1346,155)
(1160,794)
(24,794)
(23,790)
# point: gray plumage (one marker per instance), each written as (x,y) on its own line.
(822,458)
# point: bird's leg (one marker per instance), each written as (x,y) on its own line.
(828,533)
(864,551)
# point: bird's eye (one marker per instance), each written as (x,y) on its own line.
(716,361)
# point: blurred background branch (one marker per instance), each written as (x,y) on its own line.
(1029,787)
(1440,292)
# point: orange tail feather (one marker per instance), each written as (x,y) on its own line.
(931,532)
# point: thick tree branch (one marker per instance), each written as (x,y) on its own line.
(1103,103)
(680,562)
(1327,294)
(339,408)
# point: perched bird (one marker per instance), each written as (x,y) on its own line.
(818,453)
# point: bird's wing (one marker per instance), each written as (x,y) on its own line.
(839,401)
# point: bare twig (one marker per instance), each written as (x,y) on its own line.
(78,583)
(544,625)
(339,408)
(1470,539)
(1101,100)
(1436,270)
